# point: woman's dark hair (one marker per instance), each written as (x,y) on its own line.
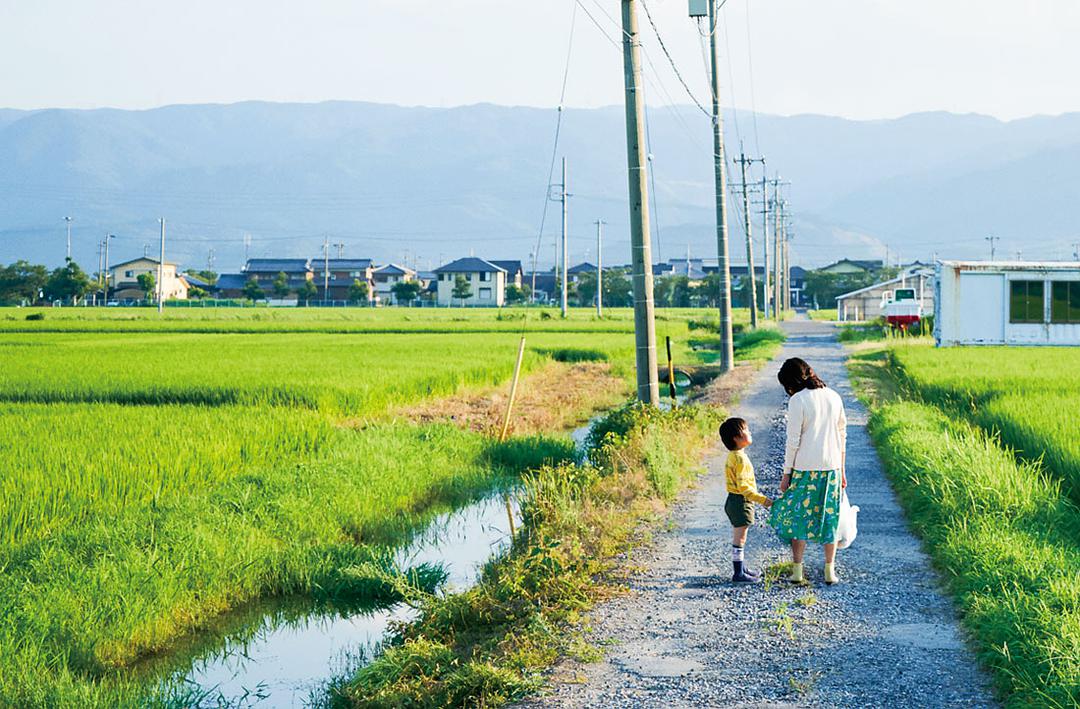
(795,375)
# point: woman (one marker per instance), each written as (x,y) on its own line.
(814,463)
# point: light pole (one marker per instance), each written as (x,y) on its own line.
(68,220)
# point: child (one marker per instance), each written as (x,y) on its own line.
(742,492)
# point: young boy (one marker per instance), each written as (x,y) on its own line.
(742,492)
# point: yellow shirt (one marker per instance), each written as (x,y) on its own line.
(739,472)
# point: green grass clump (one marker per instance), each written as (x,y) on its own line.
(489,645)
(824,314)
(1006,539)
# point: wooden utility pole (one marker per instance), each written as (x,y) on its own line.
(765,239)
(600,267)
(778,267)
(751,287)
(161,272)
(727,346)
(648,386)
(326,269)
(565,225)
(787,262)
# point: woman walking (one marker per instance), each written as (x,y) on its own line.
(814,462)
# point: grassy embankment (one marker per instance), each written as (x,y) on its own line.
(981,444)
(155,479)
(489,646)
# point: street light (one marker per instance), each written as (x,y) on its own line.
(68,220)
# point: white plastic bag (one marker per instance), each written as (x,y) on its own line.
(847,528)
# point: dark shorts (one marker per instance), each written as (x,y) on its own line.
(739,511)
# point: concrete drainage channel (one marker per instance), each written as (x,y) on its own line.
(286,656)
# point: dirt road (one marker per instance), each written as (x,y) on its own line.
(884,637)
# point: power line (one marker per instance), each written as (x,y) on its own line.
(750,66)
(671,60)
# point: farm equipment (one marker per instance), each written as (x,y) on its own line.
(902,309)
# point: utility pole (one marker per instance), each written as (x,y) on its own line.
(210,259)
(992,239)
(161,272)
(247,247)
(100,270)
(778,268)
(68,220)
(727,347)
(765,240)
(565,223)
(787,263)
(751,279)
(600,268)
(107,270)
(340,249)
(648,387)
(1076,250)
(326,268)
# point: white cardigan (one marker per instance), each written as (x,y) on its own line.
(816,431)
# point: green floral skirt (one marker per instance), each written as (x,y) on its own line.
(810,509)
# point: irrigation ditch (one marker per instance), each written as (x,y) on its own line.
(292,651)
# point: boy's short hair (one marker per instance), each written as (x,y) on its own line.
(732,429)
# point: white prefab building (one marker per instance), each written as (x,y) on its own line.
(487,282)
(1007,303)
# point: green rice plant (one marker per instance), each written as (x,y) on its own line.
(1006,539)
(1027,396)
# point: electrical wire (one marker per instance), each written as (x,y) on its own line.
(671,61)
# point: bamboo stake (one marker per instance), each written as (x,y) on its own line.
(510,516)
(513,389)
(670,373)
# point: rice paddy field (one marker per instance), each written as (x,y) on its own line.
(983,445)
(158,472)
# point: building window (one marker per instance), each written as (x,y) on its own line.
(129,274)
(1026,301)
(1065,302)
(441,277)
(484,276)
(485,294)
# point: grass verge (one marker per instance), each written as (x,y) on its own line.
(489,645)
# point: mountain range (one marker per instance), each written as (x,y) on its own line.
(425,185)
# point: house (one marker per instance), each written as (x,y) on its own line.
(845,265)
(514,272)
(486,280)
(265,271)
(797,286)
(343,272)
(231,285)
(386,277)
(543,285)
(194,281)
(1007,303)
(124,278)
(869,303)
(576,271)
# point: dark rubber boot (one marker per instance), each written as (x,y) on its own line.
(741,575)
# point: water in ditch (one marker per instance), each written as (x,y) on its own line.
(284,652)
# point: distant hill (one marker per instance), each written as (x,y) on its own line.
(429,184)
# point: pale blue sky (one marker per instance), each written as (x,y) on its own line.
(855,58)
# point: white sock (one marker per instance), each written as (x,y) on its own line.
(736,553)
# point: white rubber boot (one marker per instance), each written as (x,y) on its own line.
(830,574)
(796,574)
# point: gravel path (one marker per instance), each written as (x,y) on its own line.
(886,636)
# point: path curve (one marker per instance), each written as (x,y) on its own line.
(887,636)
